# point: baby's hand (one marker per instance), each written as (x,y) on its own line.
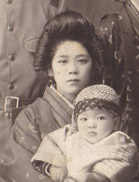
(58,174)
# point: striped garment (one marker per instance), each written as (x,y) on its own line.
(60,106)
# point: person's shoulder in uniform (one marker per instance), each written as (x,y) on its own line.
(54,3)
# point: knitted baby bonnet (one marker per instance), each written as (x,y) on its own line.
(97,97)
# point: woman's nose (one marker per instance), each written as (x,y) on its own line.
(73,69)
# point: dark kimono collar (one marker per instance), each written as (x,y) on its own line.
(61,109)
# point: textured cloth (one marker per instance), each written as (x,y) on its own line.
(21,24)
(101,92)
(95,9)
(30,127)
(112,156)
(98,96)
(120,33)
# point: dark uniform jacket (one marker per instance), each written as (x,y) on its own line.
(21,24)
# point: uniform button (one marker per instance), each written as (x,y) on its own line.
(136,37)
(11,57)
(11,86)
(9,1)
(137,57)
(8,116)
(10,28)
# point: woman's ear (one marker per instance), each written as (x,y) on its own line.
(117,123)
(50,72)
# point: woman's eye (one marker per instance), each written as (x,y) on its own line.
(82,61)
(83,119)
(62,61)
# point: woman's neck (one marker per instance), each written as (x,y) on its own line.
(70,97)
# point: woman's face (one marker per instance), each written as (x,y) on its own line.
(71,68)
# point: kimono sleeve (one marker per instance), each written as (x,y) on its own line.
(53,148)
(26,131)
(121,163)
(32,124)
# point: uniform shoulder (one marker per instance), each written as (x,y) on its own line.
(54,3)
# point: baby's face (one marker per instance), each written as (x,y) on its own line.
(95,124)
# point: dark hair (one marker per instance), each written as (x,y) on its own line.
(69,25)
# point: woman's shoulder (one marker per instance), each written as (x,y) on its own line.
(38,106)
(37,111)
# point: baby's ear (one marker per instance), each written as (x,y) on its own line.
(117,123)
(50,72)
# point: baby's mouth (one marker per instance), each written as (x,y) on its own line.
(92,133)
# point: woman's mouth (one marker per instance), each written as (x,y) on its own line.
(73,80)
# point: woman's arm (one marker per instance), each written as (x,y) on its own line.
(87,177)
(25,132)
(32,124)
(92,177)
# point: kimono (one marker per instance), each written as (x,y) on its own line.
(45,115)
(120,34)
(114,156)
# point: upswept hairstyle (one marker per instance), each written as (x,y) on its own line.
(69,25)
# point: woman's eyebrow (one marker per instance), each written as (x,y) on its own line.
(82,55)
(63,56)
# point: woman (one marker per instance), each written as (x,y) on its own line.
(72,56)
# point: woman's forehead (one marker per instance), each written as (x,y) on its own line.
(70,48)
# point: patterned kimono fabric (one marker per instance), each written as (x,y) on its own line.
(32,124)
(120,33)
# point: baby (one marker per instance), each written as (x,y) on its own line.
(90,149)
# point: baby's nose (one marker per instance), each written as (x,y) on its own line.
(92,123)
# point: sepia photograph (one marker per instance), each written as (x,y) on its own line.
(69,90)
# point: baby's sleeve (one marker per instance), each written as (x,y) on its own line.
(120,162)
(52,149)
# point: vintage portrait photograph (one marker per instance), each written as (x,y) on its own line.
(69,90)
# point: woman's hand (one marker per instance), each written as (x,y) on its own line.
(58,174)
(92,177)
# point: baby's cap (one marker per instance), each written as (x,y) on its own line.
(96,97)
(101,92)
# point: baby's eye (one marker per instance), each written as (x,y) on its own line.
(100,118)
(83,119)
(82,61)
